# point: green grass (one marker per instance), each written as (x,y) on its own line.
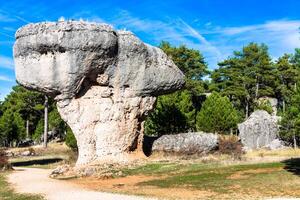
(262,179)
(6,192)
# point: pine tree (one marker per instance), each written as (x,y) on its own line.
(287,78)
(290,123)
(217,115)
(246,76)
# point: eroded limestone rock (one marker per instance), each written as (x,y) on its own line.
(259,130)
(186,143)
(105,81)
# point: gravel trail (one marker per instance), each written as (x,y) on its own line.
(36,181)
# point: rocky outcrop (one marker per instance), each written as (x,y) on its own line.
(259,130)
(186,143)
(105,81)
(272,102)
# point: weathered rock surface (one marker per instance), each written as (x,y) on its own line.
(275,144)
(259,130)
(186,143)
(273,102)
(105,81)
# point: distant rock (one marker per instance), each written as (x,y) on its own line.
(259,130)
(26,153)
(272,101)
(275,144)
(186,143)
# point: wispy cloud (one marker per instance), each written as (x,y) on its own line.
(6,62)
(177,31)
(215,42)
(282,36)
(6,18)
(11,17)
(6,78)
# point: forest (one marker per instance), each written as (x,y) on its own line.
(211,101)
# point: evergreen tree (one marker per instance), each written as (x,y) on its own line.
(290,123)
(287,78)
(246,76)
(217,115)
(176,112)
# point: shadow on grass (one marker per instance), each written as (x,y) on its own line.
(292,165)
(36,162)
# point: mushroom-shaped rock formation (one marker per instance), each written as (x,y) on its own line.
(105,82)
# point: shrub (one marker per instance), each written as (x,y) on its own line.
(230,145)
(4,164)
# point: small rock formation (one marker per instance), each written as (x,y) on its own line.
(275,144)
(259,130)
(104,81)
(272,101)
(186,143)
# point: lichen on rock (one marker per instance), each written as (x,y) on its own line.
(105,81)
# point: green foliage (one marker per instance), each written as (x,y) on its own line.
(19,106)
(71,140)
(290,123)
(190,61)
(39,130)
(246,76)
(174,113)
(217,115)
(12,128)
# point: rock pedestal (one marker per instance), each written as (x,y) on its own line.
(104,81)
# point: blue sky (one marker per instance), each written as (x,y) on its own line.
(215,27)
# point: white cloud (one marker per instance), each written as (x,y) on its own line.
(6,62)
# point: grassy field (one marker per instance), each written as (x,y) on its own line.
(248,179)
(7,193)
(258,175)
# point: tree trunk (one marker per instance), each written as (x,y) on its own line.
(45,122)
(257,88)
(27,128)
(283,106)
(295,142)
(247,110)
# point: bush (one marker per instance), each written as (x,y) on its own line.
(71,140)
(4,164)
(230,145)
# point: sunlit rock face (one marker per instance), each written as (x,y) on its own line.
(105,81)
(259,130)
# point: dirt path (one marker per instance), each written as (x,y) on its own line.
(36,181)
